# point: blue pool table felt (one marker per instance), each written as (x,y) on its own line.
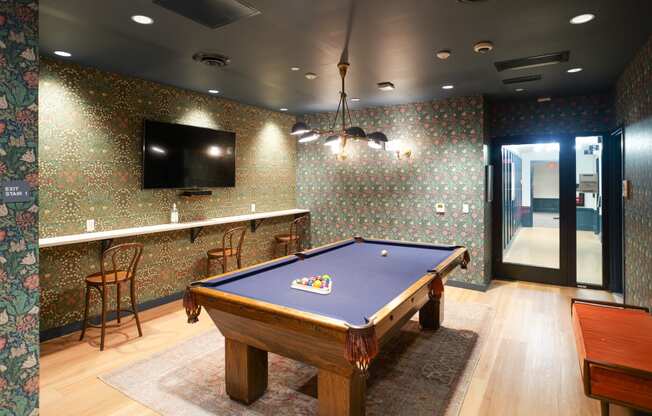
(363,280)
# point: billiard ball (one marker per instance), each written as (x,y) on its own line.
(384,253)
(316,284)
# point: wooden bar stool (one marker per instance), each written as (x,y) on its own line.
(221,254)
(122,261)
(294,237)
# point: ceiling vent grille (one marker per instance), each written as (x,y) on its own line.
(211,59)
(533,61)
(210,13)
(518,80)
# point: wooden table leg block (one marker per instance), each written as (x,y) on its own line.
(340,395)
(431,314)
(246,371)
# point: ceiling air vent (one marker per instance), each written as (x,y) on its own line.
(211,59)
(210,13)
(533,61)
(518,80)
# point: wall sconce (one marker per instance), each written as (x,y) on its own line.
(399,149)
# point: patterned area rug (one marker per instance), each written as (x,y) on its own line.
(418,373)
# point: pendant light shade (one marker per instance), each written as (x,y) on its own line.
(332,140)
(355,132)
(377,137)
(310,136)
(300,128)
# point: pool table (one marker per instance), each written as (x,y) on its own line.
(339,333)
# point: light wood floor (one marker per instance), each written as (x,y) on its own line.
(528,365)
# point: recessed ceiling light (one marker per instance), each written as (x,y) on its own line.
(519,89)
(582,18)
(447,87)
(142,20)
(355,99)
(283,109)
(386,86)
(574,70)
(311,75)
(544,99)
(444,54)
(63,53)
(214,91)
(294,68)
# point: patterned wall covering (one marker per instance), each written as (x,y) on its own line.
(593,113)
(375,195)
(19,283)
(90,129)
(634,109)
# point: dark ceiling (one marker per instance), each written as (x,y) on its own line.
(390,41)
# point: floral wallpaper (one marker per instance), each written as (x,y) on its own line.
(580,114)
(90,163)
(634,109)
(19,282)
(374,194)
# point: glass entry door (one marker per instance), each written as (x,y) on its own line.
(533,208)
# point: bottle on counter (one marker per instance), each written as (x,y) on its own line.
(174,214)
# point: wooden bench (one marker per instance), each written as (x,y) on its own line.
(614,346)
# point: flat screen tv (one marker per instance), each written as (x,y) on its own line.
(178,156)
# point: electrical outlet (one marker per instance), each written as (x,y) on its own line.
(90,226)
(440,208)
(465,208)
(253,207)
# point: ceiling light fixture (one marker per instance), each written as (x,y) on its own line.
(574,70)
(386,86)
(447,87)
(63,54)
(311,75)
(544,99)
(214,91)
(444,54)
(582,18)
(483,47)
(341,128)
(283,109)
(355,99)
(142,20)
(294,68)
(519,89)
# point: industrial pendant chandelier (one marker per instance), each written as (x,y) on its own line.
(338,136)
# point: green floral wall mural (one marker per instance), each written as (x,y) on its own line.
(579,114)
(90,162)
(634,108)
(19,281)
(375,195)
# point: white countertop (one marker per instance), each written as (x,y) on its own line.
(151,229)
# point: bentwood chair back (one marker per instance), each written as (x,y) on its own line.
(232,241)
(118,267)
(296,237)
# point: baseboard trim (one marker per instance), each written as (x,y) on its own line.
(76,326)
(466,285)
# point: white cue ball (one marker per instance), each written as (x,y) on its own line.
(384,253)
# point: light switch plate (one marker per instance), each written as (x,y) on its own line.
(440,208)
(253,207)
(90,226)
(465,208)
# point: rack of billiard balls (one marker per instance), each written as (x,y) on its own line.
(322,284)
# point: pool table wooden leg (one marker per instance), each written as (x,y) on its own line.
(246,371)
(340,395)
(431,314)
